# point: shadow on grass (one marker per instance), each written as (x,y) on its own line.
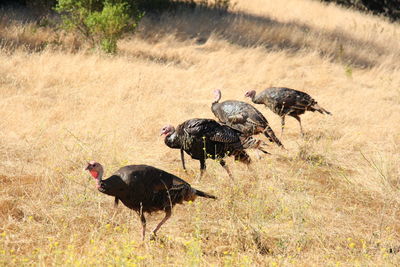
(197,24)
(247,30)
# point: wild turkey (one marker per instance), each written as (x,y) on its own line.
(243,117)
(206,138)
(145,188)
(285,101)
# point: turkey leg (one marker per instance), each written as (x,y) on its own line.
(282,125)
(143,221)
(297,117)
(223,164)
(183,159)
(167,216)
(202,168)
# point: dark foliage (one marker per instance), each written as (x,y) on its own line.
(388,8)
(40,5)
(153,5)
(144,5)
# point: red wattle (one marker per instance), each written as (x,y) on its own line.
(94,173)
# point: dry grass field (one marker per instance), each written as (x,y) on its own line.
(331,199)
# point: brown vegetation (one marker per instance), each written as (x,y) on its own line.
(331,199)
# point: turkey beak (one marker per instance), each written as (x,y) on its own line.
(162,132)
(87,167)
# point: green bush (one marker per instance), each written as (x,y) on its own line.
(101,23)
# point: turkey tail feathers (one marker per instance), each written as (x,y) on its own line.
(203,194)
(272,137)
(250,142)
(264,151)
(321,109)
(253,143)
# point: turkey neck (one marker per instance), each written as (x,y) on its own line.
(216,100)
(214,107)
(217,97)
(99,177)
(172,140)
(257,99)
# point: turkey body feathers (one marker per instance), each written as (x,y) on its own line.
(206,138)
(244,118)
(211,129)
(286,101)
(145,188)
(240,116)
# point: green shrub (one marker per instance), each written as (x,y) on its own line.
(101,23)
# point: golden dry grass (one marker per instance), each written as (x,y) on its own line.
(332,199)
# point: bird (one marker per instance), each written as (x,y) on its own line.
(285,101)
(206,138)
(243,117)
(145,189)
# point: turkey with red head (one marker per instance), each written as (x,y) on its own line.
(145,189)
(206,138)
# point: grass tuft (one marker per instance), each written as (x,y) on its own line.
(331,199)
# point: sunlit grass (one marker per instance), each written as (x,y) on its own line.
(331,199)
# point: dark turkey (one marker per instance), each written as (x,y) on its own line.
(242,117)
(286,101)
(206,138)
(145,188)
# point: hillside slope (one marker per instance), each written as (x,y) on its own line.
(331,199)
